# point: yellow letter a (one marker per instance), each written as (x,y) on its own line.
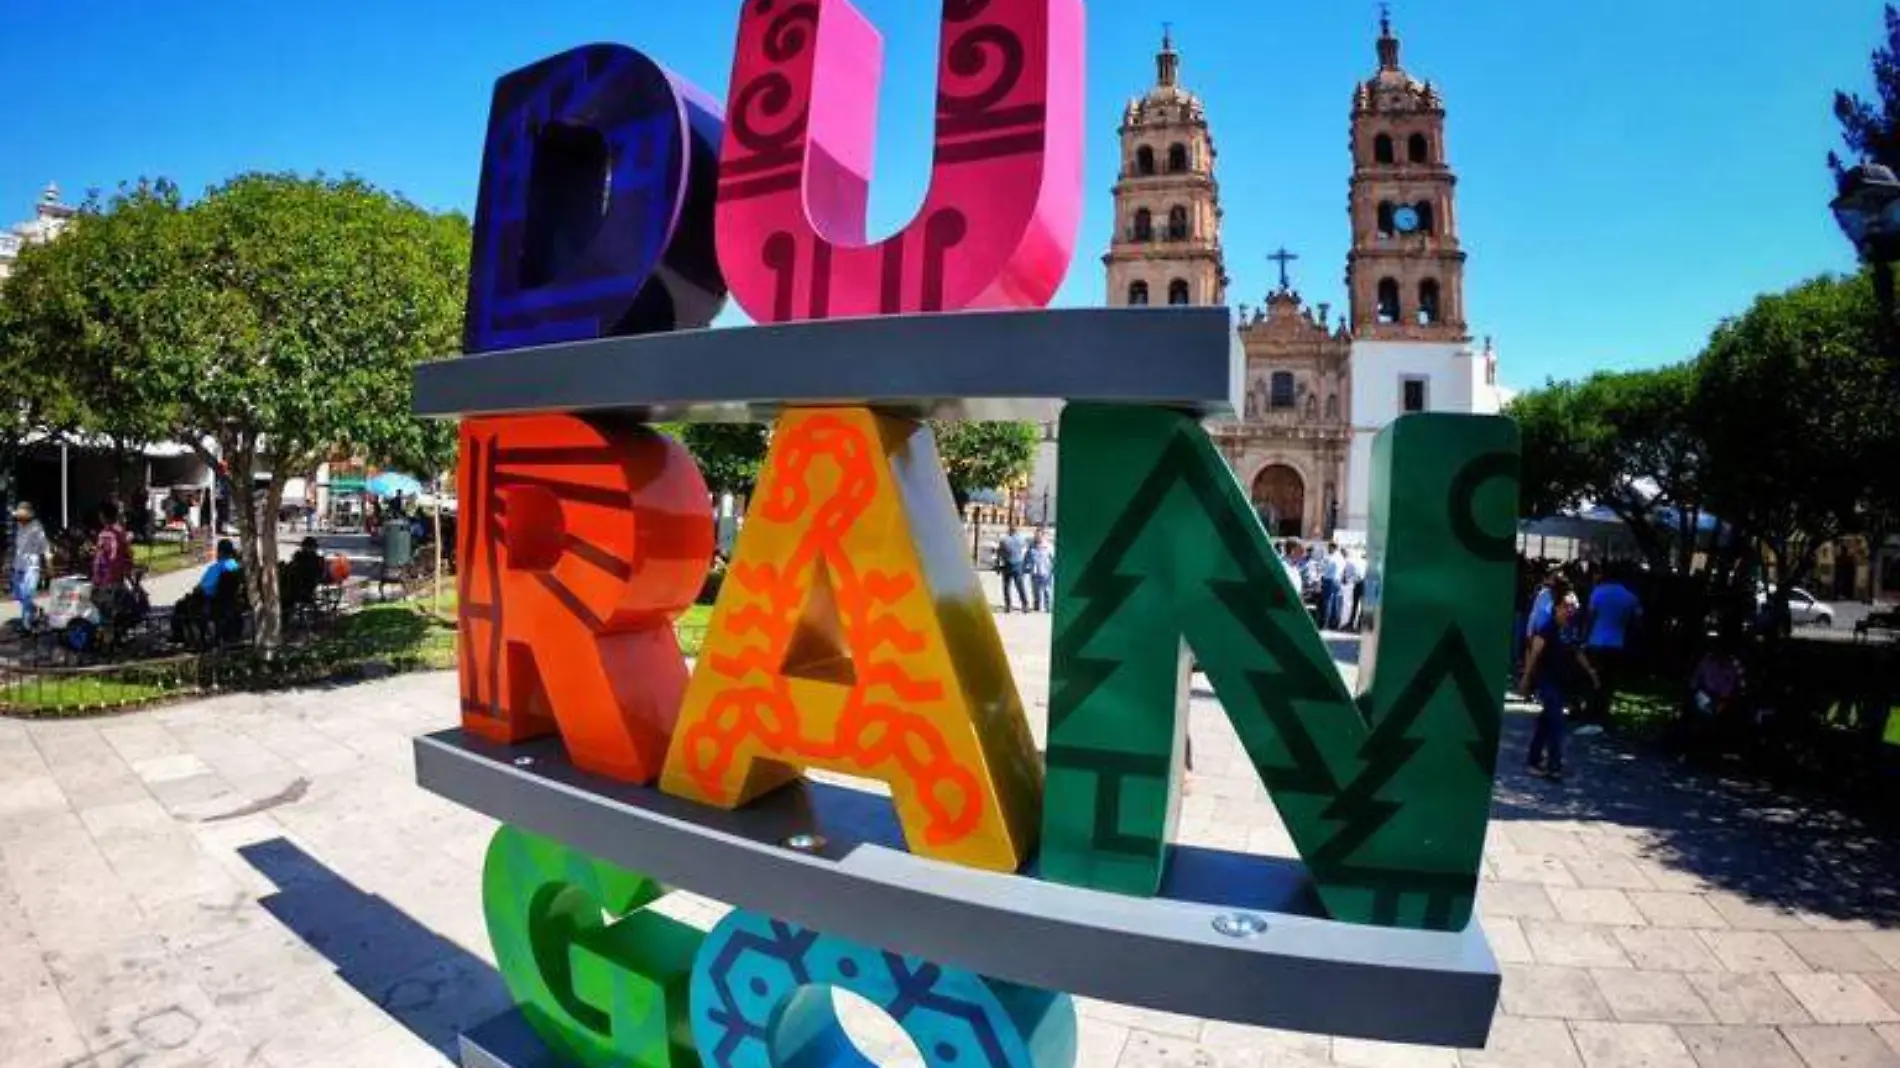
(851,635)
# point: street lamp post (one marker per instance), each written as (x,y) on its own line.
(1868,211)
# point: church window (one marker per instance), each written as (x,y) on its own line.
(1178,291)
(1412,395)
(1425,213)
(1144,225)
(1281,390)
(1382,149)
(1418,150)
(1144,161)
(1177,158)
(1428,311)
(1332,406)
(1138,294)
(1177,223)
(1388,300)
(1386,213)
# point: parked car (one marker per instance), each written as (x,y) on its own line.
(1803,609)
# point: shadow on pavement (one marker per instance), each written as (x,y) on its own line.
(433,987)
(1770,848)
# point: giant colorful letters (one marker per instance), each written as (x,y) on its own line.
(851,635)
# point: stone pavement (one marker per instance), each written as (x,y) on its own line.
(256,880)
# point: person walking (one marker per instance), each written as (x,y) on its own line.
(1332,569)
(1011,553)
(1040,559)
(30,553)
(1615,612)
(1555,669)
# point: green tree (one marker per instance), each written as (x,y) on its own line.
(728,454)
(1871,128)
(273,322)
(1789,401)
(1622,440)
(985,456)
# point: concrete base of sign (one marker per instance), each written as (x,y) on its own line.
(974,365)
(506,1042)
(1232,938)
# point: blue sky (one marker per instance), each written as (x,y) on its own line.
(1630,172)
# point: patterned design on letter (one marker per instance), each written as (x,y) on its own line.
(761,998)
(594,536)
(852,635)
(1387,795)
(601,994)
(998,226)
(596,205)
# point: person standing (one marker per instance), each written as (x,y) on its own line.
(1554,670)
(1615,611)
(1011,554)
(1332,569)
(1040,559)
(1354,578)
(30,552)
(1288,561)
(111,560)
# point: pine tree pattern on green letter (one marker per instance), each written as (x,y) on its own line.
(1386,795)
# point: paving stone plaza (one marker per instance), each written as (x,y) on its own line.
(257,880)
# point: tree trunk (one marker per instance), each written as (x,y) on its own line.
(270,616)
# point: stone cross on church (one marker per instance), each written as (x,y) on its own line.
(1283,257)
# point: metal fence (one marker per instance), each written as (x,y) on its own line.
(28,689)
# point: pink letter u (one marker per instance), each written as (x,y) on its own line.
(998,225)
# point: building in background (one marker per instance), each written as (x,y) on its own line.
(1166,247)
(1291,445)
(50,216)
(1411,348)
(1317,391)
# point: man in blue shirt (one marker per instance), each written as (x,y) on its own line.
(226,562)
(1614,613)
(191,616)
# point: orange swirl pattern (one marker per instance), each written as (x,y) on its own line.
(871,689)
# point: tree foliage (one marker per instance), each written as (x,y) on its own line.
(1783,428)
(270,324)
(1622,440)
(729,454)
(985,456)
(1871,127)
(1790,396)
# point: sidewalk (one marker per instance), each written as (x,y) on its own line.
(256,880)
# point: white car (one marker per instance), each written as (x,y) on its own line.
(1803,609)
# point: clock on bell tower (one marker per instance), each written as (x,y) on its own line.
(1406,271)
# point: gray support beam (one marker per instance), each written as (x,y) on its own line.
(974,365)
(1231,939)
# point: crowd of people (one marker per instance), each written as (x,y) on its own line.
(1577,630)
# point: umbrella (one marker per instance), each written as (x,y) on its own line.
(392,484)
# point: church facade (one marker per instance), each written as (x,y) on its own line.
(1318,391)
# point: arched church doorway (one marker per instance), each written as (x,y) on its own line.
(1279,495)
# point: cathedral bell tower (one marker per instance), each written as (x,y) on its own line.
(1166,248)
(1406,272)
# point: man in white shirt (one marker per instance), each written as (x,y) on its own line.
(1352,581)
(1332,569)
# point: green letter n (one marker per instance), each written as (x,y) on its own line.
(1386,796)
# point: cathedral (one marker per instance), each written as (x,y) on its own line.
(1318,390)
